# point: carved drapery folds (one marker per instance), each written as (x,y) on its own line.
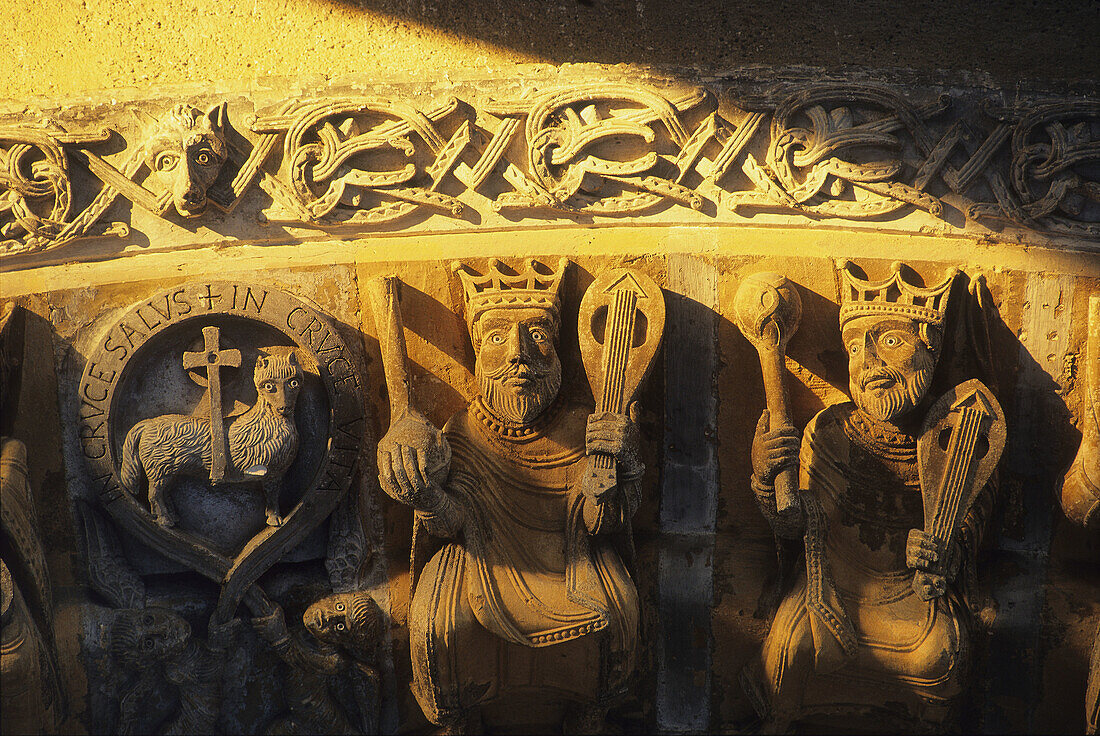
(892,503)
(526,612)
(837,151)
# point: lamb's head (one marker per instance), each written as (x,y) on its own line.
(186,151)
(278,380)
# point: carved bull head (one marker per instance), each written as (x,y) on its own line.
(185,152)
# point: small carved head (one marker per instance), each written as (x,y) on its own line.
(349,619)
(517,366)
(185,152)
(278,380)
(140,637)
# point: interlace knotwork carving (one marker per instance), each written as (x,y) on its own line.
(593,149)
(839,151)
(366,161)
(1054,148)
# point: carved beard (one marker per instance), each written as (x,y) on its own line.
(520,405)
(902,396)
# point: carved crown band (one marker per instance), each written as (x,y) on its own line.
(534,287)
(893,296)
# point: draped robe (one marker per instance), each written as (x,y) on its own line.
(524,598)
(854,617)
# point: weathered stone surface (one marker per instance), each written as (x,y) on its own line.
(691,182)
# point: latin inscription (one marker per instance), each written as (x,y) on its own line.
(309,329)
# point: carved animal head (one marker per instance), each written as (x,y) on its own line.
(185,152)
(141,637)
(278,380)
(350,619)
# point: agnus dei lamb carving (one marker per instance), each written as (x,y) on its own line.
(261,443)
(893,498)
(525,614)
(185,151)
(197,351)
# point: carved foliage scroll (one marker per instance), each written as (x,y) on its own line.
(848,151)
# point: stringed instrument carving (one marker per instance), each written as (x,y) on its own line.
(621,322)
(959,447)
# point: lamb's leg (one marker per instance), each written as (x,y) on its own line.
(272,491)
(162,514)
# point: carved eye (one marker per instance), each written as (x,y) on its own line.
(148,643)
(339,606)
(204,158)
(166,161)
(496,338)
(293,383)
(269,386)
(147,619)
(891,341)
(539,335)
(340,626)
(853,348)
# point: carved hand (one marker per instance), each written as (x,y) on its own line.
(773,450)
(923,552)
(617,435)
(413,459)
(272,628)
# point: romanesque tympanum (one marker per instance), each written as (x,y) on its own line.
(892,498)
(527,606)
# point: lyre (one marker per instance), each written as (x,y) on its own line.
(621,322)
(959,447)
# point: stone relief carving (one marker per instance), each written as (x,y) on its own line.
(155,649)
(333,684)
(185,152)
(523,610)
(259,445)
(31,698)
(337,154)
(848,151)
(893,498)
(768,310)
(222,423)
(1080,492)
(1081,487)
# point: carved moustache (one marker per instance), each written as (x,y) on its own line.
(880,374)
(898,396)
(518,392)
(521,370)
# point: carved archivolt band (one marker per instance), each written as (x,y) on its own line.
(847,151)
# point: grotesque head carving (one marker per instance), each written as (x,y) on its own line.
(185,152)
(349,619)
(514,322)
(892,331)
(141,637)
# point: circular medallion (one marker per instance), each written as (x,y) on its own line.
(221,422)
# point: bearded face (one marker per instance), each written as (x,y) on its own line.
(517,363)
(889,365)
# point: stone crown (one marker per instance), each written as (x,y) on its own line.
(535,286)
(893,296)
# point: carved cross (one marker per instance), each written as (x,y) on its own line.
(214,359)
